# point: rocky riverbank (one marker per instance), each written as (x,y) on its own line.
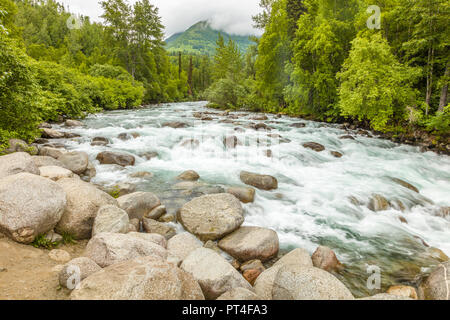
(138,246)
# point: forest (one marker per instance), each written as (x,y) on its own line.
(326,60)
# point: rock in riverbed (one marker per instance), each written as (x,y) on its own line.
(55,173)
(248,243)
(153,226)
(16,163)
(109,248)
(259,181)
(183,244)
(120,159)
(146,278)
(211,217)
(214,274)
(30,205)
(83,202)
(189,175)
(138,204)
(436,286)
(75,161)
(314,146)
(111,219)
(246,195)
(52,134)
(324,258)
(239,294)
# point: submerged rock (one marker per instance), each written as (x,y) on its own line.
(189,175)
(405,184)
(314,146)
(378,203)
(175,125)
(211,217)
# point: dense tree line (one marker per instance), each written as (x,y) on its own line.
(319,58)
(53,64)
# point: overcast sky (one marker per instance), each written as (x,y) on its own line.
(232,16)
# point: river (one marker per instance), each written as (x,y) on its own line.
(312,205)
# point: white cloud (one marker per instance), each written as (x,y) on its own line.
(232,16)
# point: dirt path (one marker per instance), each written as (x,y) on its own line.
(27,273)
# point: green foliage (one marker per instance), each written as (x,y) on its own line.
(200,39)
(68,238)
(227,94)
(115,192)
(440,123)
(42,242)
(374,85)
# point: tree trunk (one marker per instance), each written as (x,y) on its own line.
(190,76)
(444,93)
(179,65)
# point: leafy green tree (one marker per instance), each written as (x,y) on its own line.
(374,85)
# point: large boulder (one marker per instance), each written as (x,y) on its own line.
(324,258)
(298,257)
(139,204)
(153,226)
(259,181)
(378,203)
(17,145)
(45,161)
(55,173)
(52,134)
(152,237)
(182,245)
(111,219)
(73,123)
(146,278)
(249,243)
(77,270)
(109,248)
(294,282)
(436,286)
(403,291)
(245,194)
(214,274)
(52,152)
(212,217)
(121,159)
(239,294)
(385,296)
(30,205)
(83,202)
(16,163)
(75,161)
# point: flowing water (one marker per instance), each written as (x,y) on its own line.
(313,204)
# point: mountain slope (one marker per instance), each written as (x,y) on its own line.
(201,39)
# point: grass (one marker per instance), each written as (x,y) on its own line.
(42,242)
(115,192)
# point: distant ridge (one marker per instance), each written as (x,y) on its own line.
(201,39)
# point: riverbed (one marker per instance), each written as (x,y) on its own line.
(321,199)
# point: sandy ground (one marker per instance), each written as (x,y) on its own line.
(27,273)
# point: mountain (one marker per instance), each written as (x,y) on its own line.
(201,39)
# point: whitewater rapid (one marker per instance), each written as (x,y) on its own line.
(311,207)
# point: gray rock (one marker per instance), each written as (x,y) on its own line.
(183,244)
(73,123)
(294,282)
(109,248)
(51,152)
(138,204)
(436,286)
(16,163)
(314,146)
(249,243)
(45,161)
(52,134)
(146,278)
(259,181)
(189,175)
(385,296)
(111,219)
(83,202)
(298,257)
(156,213)
(30,205)
(75,161)
(153,226)
(211,217)
(239,294)
(214,274)
(55,173)
(86,267)
(121,159)
(244,194)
